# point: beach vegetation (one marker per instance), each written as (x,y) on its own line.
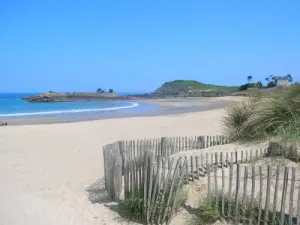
(276,116)
(133,207)
(210,212)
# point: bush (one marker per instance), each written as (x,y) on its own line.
(244,87)
(271,84)
(259,84)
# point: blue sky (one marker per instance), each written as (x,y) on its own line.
(137,45)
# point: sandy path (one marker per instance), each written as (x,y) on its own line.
(45,169)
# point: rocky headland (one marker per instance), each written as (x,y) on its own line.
(74,97)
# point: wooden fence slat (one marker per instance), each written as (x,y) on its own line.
(206,159)
(216,159)
(260,195)
(298,208)
(267,203)
(230,190)
(166,186)
(202,164)
(227,159)
(156,187)
(245,192)
(237,193)
(177,194)
(172,187)
(135,184)
(208,184)
(163,173)
(275,195)
(252,187)
(197,167)
(187,169)
(222,159)
(223,192)
(291,196)
(207,141)
(284,190)
(216,185)
(242,156)
(150,182)
(192,168)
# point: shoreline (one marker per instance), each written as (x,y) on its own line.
(146,108)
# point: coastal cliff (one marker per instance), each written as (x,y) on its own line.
(74,97)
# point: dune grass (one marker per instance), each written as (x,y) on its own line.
(258,118)
(276,117)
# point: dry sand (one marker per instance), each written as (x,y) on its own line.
(45,169)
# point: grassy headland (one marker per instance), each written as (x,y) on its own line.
(176,86)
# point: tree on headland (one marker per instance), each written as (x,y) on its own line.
(267,79)
(111,91)
(259,84)
(249,78)
(289,77)
(100,90)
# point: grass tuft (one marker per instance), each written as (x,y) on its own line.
(132,207)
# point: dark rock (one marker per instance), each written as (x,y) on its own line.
(74,97)
(3,123)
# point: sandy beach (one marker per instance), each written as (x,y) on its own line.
(45,169)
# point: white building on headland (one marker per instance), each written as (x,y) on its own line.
(283,82)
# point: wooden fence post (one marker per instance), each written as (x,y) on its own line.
(208,184)
(298,208)
(266,219)
(237,193)
(275,196)
(260,194)
(230,190)
(284,190)
(291,196)
(216,185)
(245,192)
(223,194)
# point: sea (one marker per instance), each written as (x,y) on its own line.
(12,105)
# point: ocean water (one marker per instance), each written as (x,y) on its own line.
(11,105)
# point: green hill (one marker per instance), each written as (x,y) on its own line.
(176,86)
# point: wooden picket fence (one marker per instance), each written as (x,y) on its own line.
(150,167)
(249,194)
(124,155)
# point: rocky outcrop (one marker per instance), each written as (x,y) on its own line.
(74,97)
